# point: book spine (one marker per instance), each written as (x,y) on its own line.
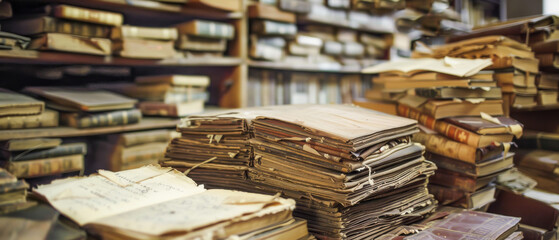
(46,167)
(445,195)
(159,109)
(215,30)
(445,147)
(45,119)
(110,119)
(75,28)
(453,181)
(539,141)
(88,15)
(63,150)
(453,132)
(451,164)
(133,139)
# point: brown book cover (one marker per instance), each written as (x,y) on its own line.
(188,42)
(83,99)
(449,108)
(5,10)
(468,200)
(548,60)
(539,140)
(47,166)
(265,11)
(481,169)
(482,126)
(546,47)
(28,144)
(543,161)
(144,48)
(208,29)
(171,109)
(175,80)
(226,5)
(104,119)
(87,15)
(38,25)
(71,43)
(461,182)
(15,104)
(128,31)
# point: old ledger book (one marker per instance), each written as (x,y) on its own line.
(154,202)
(15,104)
(82,99)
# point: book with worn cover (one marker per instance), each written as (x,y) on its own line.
(152,202)
(46,166)
(83,99)
(209,29)
(102,119)
(468,200)
(481,169)
(171,109)
(61,150)
(265,11)
(87,15)
(539,140)
(15,104)
(267,27)
(543,161)
(459,92)
(37,25)
(176,80)
(30,144)
(128,31)
(202,44)
(71,43)
(143,48)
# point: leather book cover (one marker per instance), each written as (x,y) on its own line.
(171,109)
(83,99)
(15,104)
(449,108)
(473,170)
(546,47)
(482,126)
(37,25)
(540,160)
(144,48)
(87,15)
(269,12)
(71,43)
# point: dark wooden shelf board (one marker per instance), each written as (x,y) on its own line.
(45,58)
(146,124)
(303,67)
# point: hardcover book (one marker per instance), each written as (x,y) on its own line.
(37,25)
(82,99)
(209,29)
(15,104)
(72,43)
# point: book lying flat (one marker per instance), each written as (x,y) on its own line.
(14,104)
(82,99)
(31,143)
(72,43)
(451,66)
(177,80)
(152,202)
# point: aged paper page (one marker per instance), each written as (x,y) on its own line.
(194,212)
(87,199)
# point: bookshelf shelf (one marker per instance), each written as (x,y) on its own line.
(42,58)
(150,8)
(145,124)
(303,67)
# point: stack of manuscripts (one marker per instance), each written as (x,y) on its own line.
(18,111)
(538,158)
(164,95)
(469,146)
(130,150)
(86,108)
(160,203)
(13,193)
(40,159)
(342,164)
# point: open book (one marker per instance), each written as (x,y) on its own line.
(154,202)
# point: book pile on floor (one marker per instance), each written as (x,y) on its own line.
(13,193)
(275,35)
(338,169)
(87,108)
(18,111)
(164,95)
(125,151)
(154,202)
(469,146)
(36,159)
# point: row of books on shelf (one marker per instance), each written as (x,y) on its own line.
(67,28)
(94,106)
(271,87)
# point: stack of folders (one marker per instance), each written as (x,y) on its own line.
(202,38)
(42,157)
(341,163)
(161,203)
(125,151)
(86,108)
(13,193)
(18,111)
(164,95)
(468,144)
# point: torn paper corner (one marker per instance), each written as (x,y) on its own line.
(113,177)
(308,148)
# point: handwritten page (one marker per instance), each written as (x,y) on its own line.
(194,212)
(85,200)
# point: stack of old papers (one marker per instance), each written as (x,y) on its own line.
(354,172)
(160,203)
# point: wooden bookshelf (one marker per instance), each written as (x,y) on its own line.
(46,58)
(304,67)
(145,124)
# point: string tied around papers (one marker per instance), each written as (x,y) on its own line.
(370,178)
(198,165)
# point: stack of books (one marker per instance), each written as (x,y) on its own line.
(343,164)
(125,151)
(538,158)
(154,203)
(468,144)
(66,28)
(13,193)
(87,108)
(42,157)
(514,64)
(164,95)
(548,80)
(19,111)
(202,38)
(144,42)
